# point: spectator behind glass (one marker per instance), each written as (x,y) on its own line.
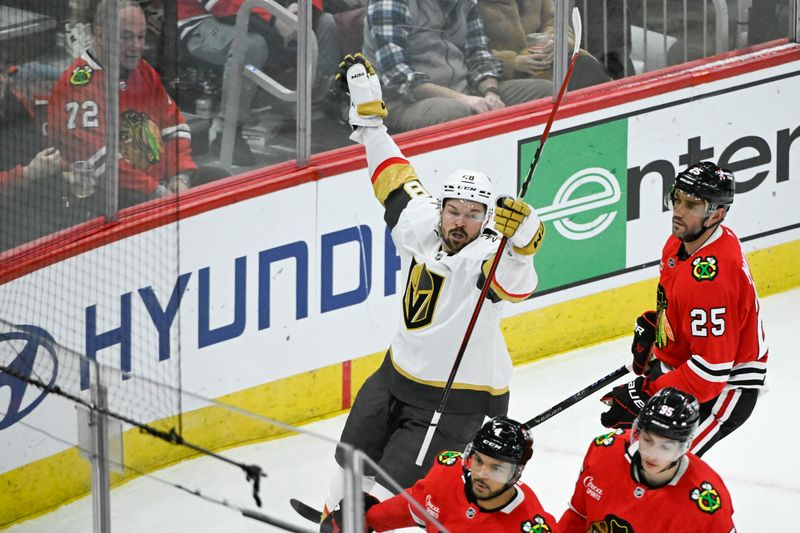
(154,140)
(508,25)
(30,171)
(609,49)
(206,29)
(435,65)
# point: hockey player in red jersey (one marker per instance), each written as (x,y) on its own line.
(707,336)
(644,480)
(478,490)
(154,140)
(445,248)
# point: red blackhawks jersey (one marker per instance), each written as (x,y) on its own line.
(709,326)
(442,493)
(609,499)
(154,140)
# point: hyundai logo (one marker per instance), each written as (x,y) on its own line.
(31,352)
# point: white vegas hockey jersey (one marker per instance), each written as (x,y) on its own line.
(441,293)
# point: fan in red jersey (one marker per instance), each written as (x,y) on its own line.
(707,337)
(154,140)
(478,490)
(645,480)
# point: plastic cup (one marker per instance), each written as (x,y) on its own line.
(83,180)
(203,107)
(537,42)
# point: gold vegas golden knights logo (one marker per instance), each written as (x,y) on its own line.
(422,293)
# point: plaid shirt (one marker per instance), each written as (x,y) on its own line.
(390,20)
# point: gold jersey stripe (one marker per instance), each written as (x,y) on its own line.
(390,178)
(441,384)
(375,108)
(499,290)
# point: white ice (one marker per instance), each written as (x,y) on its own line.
(759,463)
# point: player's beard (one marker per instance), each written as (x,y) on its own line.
(681,230)
(455,246)
(486,496)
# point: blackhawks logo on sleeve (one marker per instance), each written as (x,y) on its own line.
(537,524)
(607,439)
(706,497)
(81,75)
(448,458)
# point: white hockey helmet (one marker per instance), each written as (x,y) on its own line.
(469,185)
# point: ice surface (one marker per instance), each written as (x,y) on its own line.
(759,462)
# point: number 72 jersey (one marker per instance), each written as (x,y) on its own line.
(709,325)
(154,140)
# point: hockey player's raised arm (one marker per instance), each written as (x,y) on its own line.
(394,180)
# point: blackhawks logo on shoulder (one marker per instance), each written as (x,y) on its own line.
(537,524)
(81,76)
(607,439)
(704,268)
(706,497)
(448,458)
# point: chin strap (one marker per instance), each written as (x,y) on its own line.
(638,471)
(694,236)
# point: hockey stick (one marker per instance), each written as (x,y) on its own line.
(306,511)
(578,396)
(426,443)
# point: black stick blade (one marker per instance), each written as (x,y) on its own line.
(306,511)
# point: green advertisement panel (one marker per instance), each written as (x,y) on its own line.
(579,191)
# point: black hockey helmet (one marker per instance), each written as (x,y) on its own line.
(670,413)
(708,182)
(505,440)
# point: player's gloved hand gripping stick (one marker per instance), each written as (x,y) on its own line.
(576,25)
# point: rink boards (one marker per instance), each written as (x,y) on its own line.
(285,294)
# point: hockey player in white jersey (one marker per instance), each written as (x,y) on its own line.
(446,247)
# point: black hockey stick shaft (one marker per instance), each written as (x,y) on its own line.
(578,396)
(576,22)
(277,522)
(561,92)
(426,443)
